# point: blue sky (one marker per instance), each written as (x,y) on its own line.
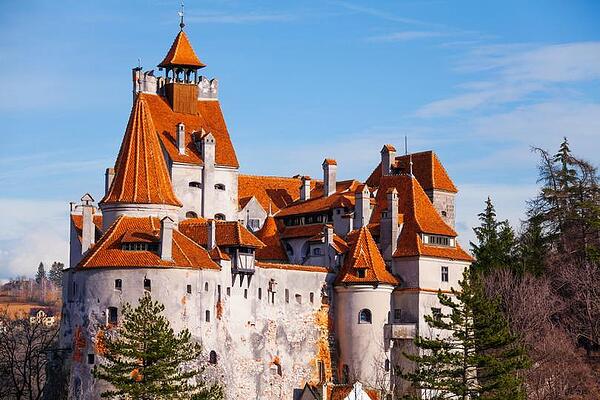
(478,82)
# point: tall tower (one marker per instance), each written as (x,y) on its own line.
(363,291)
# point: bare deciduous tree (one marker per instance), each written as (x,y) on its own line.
(24,348)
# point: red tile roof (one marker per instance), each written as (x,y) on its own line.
(413,204)
(330,161)
(299,231)
(291,267)
(228,233)
(427,168)
(419,216)
(343,197)
(181,53)
(141,175)
(269,235)
(365,255)
(77,221)
(209,117)
(108,253)
(276,192)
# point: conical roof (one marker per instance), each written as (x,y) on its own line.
(364,255)
(181,54)
(141,175)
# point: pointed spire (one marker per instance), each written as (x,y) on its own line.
(141,175)
(181,54)
(269,235)
(363,262)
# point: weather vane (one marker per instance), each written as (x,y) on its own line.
(181,24)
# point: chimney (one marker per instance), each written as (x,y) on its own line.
(305,188)
(181,138)
(389,226)
(329,172)
(388,156)
(109,175)
(362,208)
(88,230)
(166,238)
(211,242)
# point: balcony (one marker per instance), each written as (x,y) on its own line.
(242,262)
(401,330)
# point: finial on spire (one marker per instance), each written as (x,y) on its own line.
(410,164)
(181,24)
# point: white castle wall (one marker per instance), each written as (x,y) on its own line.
(250,335)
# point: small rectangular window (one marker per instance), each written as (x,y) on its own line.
(361,272)
(218,292)
(245,293)
(397,315)
(311,297)
(228,291)
(436,312)
(259,293)
(118,284)
(112,316)
(207,316)
(254,223)
(189,289)
(287,296)
(444,274)
(90,358)
(147,285)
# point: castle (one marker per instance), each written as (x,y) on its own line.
(296,287)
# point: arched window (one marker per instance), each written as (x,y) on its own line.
(364,316)
(206,286)
(191,214)
(219,186)
(196,185)
(220,217)
(147,285)
(212,357)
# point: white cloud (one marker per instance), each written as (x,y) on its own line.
(405,36)
(516,72)
(33,231)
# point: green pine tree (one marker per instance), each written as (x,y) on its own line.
(55,275)
(533,247)
(473,355)
(145,360)
(41,273)
(496,242)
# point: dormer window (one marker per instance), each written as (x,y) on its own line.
(438,240)
(220,217)
(361,272)
(191,214)
(139,246)
(219,186)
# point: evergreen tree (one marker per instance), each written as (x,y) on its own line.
(473,355)
(55,275)
(496,242)
(41,274)
(146,360)
(533,247)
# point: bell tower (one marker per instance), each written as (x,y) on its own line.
(181,65)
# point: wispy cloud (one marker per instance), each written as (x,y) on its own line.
(388,16)
(405,36)
(227,18)
(29,236)
(515,72)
